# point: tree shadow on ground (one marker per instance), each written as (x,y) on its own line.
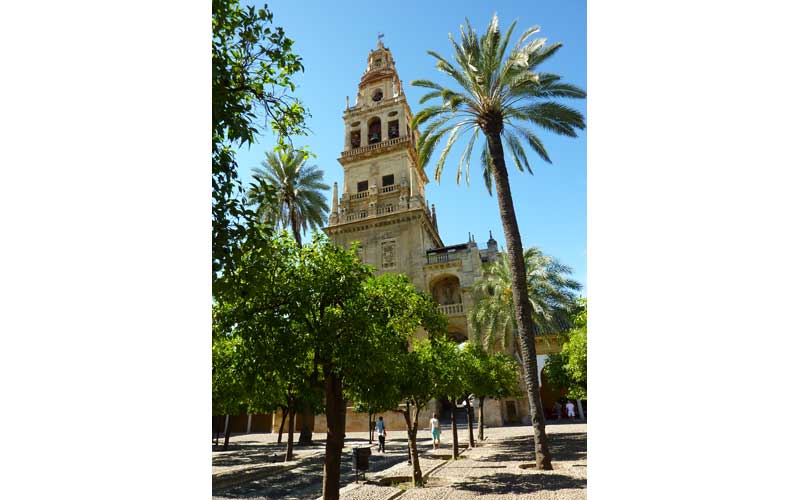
(248,452)
(504,483)
(563,447)
(304,481)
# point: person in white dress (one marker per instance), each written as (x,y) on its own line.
(570,409)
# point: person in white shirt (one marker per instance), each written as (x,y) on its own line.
(570,409)
(381,427)
(436,431)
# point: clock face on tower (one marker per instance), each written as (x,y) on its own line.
(377,95)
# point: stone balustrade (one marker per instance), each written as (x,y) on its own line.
(373,147)
(441,258)
(451,309)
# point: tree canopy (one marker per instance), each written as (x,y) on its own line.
(252,70)
(567,368)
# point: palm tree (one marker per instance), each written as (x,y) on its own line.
(297,203)
(551,294)
(499,97)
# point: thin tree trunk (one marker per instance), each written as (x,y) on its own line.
(217,426)
(335,414)
(283,421)
(522,307)
(469,423)
(290,437)
(227,431)
(581,415)
(371,427)
(411,428)
(480,419)
(455,430)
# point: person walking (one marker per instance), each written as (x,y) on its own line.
(570,410)
(557,410)
(436,431)
(381,427)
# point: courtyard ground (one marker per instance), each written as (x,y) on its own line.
(497,468)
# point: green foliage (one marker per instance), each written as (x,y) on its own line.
(551,293)
(252,69)
(288,192)
(228,395)
(253,312)
(493,375)
(450,375)
(497,95)
(568,368)
(392,373)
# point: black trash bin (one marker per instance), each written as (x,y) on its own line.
(361,459)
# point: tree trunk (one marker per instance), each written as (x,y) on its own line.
(290,437)
(523,312)
(335,414)
(455,430)
(480,419)
(227,432)
(217,421)
(411,428)
(469,423)
(581,415)
(371,427)
(283,421)
(306,421)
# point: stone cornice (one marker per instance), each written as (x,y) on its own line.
(385,220)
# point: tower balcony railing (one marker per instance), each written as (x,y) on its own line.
(356,216)
(373,147)
(384,209)
(441,258)
(358,196)
(389,189)
(451,309)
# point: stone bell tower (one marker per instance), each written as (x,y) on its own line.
(382,203)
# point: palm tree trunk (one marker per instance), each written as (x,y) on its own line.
(480,419)
(522,307)
(455,430)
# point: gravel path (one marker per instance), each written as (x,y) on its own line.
(498,468)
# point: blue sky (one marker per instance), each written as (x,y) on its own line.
(334,39)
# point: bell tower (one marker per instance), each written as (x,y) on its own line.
(382,203)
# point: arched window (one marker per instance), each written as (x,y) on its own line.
(447,290)
(374,133)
